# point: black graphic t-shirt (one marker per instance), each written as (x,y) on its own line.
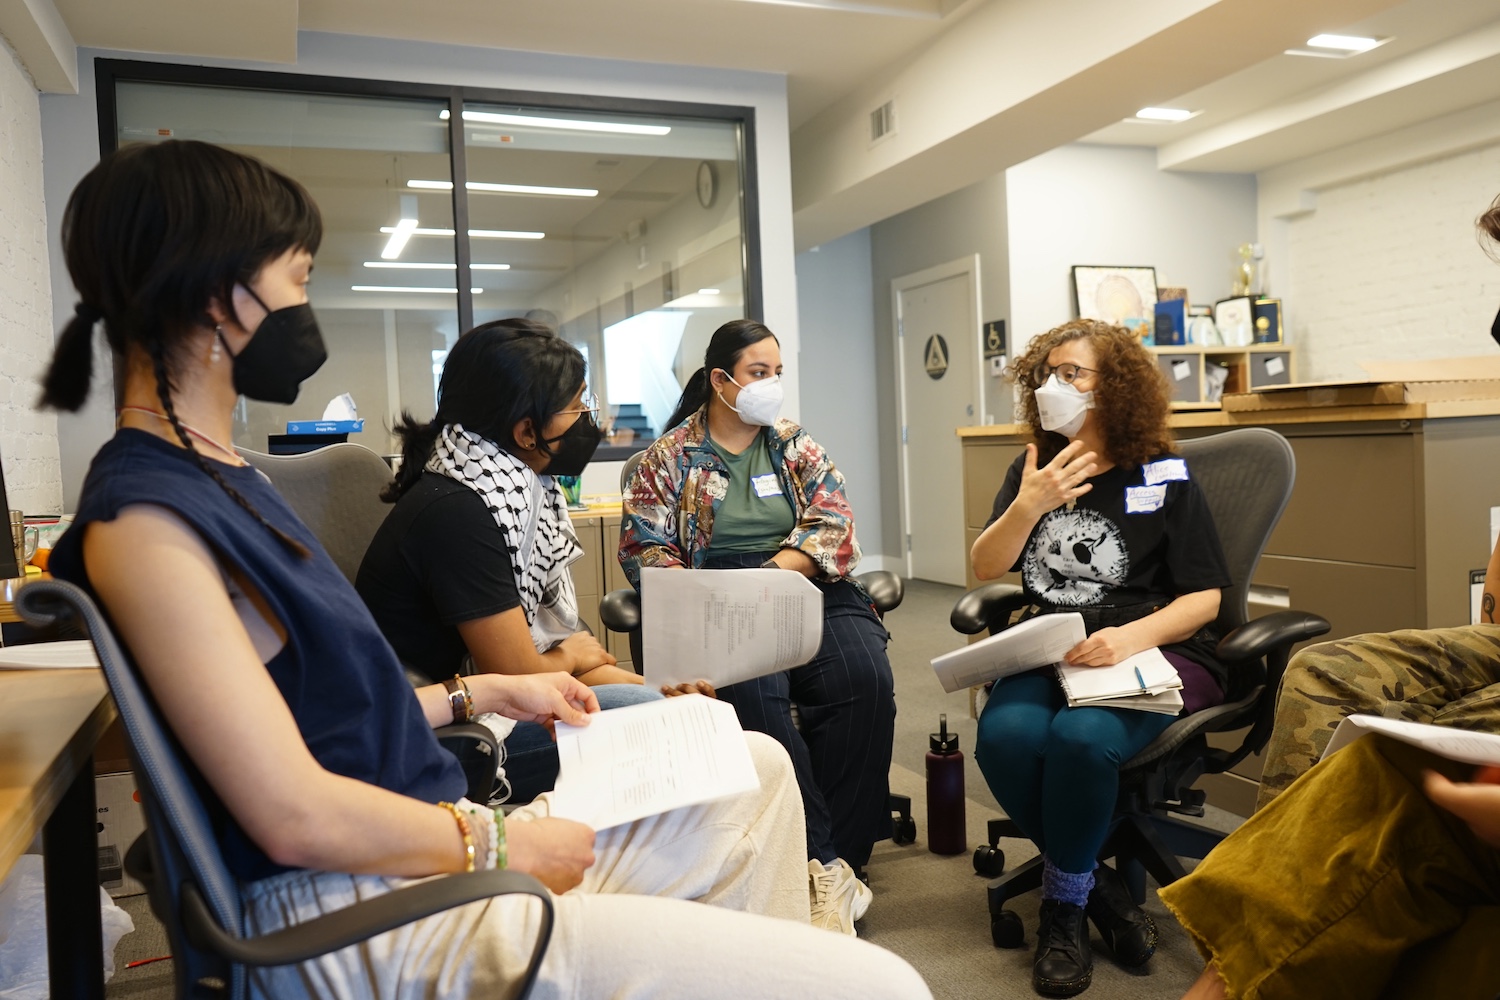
(1142,535)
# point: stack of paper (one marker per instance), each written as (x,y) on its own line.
(1462,745)
(1146,682)
(41,655)
(1036,642)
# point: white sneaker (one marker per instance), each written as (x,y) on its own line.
(838,897)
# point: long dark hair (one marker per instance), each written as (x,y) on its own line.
(497,375)
(152,235)
(724,349)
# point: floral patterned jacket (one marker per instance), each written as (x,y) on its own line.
(670,502)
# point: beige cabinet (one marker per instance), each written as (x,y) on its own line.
(598,572)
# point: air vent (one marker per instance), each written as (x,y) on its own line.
(883,121)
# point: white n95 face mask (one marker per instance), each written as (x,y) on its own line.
(760,402)
(1062,408)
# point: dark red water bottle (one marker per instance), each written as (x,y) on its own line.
(946,832)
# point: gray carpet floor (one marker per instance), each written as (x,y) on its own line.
(928,909)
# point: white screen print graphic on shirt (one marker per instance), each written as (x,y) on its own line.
(1075,557)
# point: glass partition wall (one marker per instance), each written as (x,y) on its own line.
(627,226)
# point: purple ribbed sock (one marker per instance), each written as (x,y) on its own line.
(1065,887)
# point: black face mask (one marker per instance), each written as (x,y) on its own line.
(283,353)
(573,449)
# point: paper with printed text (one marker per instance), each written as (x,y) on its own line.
(1036,642)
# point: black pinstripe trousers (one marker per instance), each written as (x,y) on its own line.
(840,744)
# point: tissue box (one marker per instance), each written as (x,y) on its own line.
(324,426)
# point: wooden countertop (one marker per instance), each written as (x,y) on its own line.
(49,723)
(1307,415)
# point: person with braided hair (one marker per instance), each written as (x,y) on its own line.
(319,769)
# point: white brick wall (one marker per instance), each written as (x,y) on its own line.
(28,438)
(1389,268)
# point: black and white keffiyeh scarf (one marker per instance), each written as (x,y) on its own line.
(530,510)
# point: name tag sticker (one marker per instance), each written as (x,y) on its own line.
(1165,471)
(1144,499)
(767,485)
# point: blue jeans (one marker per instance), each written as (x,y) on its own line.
(1055,770)
(531,752)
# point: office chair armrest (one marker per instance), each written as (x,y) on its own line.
(885,588)
(477,751)
(976,609)
(620,610)
(1280,629)
(364,919)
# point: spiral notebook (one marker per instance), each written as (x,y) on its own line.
(1145,682)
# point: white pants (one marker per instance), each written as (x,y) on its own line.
(633,929)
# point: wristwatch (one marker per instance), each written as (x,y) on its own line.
(460,699)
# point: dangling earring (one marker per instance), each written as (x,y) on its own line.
(215,353)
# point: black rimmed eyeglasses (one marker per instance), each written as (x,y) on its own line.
(1066,372)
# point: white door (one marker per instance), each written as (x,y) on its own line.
(937,338)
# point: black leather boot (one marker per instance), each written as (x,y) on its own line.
(1128,931)
(1063,966)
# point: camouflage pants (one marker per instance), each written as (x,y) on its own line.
(1447,677)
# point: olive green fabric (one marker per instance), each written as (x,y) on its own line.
(745,520)
(1352,884)
(1446,677)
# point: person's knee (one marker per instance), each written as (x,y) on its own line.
(769,757)
(1075,739)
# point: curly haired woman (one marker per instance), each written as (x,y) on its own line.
(1099,517)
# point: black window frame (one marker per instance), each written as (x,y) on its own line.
(108,73)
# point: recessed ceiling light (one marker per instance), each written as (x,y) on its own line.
(854,7)
(478,234)
(485,186)
(421,266)
(1337,46)
(1343,43)
(533,121)
(410,288)
(708,291)
(1164,114)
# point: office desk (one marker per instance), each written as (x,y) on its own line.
(49,723)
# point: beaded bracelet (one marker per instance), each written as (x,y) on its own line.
(465,831)
(489,838)
(502,853)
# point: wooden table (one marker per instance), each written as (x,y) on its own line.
(49,723)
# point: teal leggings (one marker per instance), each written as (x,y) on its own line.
(1055,770)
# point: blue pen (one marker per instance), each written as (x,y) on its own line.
(1140,680)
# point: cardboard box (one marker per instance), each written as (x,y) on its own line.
(1391,383)
(121,821)
(324,426)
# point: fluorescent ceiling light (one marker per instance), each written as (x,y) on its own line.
(410,288)
(421,266)
(708,291)
(478,234)
(485,186)
(620,128)
(1344,43)
(891,10)
(1164,114)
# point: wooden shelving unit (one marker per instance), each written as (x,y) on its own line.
(1249,367)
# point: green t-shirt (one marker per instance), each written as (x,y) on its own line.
(755,514)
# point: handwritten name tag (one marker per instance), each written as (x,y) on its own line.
(1144,499)
(1165,471)
(767,485)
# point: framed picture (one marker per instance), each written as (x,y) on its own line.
(1235,319)
(1114,294)
(1268,322)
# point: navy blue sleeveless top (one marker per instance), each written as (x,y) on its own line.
(338,675)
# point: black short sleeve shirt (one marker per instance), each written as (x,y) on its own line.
(1142,534)
(438,560)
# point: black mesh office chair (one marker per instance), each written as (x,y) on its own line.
(620,610)
(1246,476)
(178,859)
(336,493)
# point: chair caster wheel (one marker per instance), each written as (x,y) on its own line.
(1006,930)
(904,831)
(989,861)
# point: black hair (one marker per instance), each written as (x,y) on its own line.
(497,375)
(724,349)
(152,235)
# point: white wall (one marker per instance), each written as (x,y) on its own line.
(28,438)
(1083,204)
(840,407)
(1388,267)
(70,137)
